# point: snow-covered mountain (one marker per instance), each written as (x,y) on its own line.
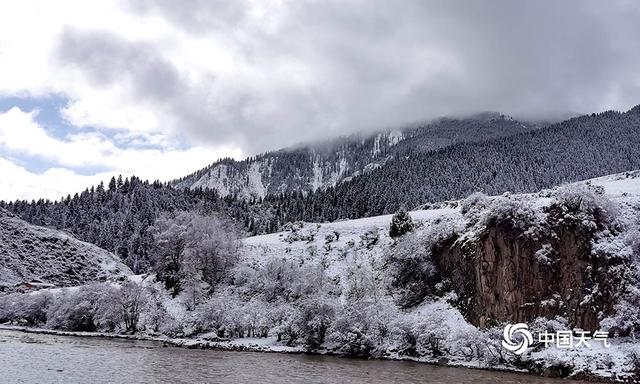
(35,257)
(318,166)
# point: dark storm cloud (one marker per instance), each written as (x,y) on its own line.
(335,67)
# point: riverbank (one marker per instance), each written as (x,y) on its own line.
(270,345)
(31,358)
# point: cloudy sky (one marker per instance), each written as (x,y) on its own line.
(160,88)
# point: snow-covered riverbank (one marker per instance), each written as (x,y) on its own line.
(271,345)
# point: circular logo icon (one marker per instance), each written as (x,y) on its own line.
(514,343)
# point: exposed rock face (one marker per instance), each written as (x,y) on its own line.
(508,274)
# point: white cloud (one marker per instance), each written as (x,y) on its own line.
(19,183)
(21,134)
(262,74)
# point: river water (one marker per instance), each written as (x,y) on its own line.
(36,358)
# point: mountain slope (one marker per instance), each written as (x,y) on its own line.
(573,150)
(36,254)
(318,166)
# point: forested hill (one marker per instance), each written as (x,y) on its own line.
(575,149)
(321,165)
(119,217)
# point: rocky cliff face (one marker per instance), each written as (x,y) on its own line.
(513,274)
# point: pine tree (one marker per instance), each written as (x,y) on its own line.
(112,183)
(401,223)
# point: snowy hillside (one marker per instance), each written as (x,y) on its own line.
(336,243)
(40,256)
(296,169)
(626,184)
(317,166)
(529,230)
(624,188)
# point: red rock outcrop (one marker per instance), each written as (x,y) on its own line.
(501,275)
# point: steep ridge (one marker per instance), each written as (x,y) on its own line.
(32,257)
(322,165)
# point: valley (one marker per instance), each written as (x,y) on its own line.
(252,256)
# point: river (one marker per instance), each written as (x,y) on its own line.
(31,358)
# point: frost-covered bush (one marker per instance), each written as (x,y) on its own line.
(626,317)
(412,272)
(211,316)
(519,212)
(287,327)
(190,248)
(279,316)
(257,317)
(352,335)
(432,330)
(543,324)
(235,322)
(293,227)
(78,310)
(404,338)
(273,280)
(130,300)
(306,323)
(585,203)
(228,315)
(430,336)
(112,308)
(370,238)
(29,309)
(470,343)
(307,236)
(155,318)
(633,361)
(516,212)
(545,255)
(495,354)
(314,319)
(476,201)
(99,307)
(363,323)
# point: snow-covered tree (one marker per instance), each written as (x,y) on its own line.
(192,249)
(401,223)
